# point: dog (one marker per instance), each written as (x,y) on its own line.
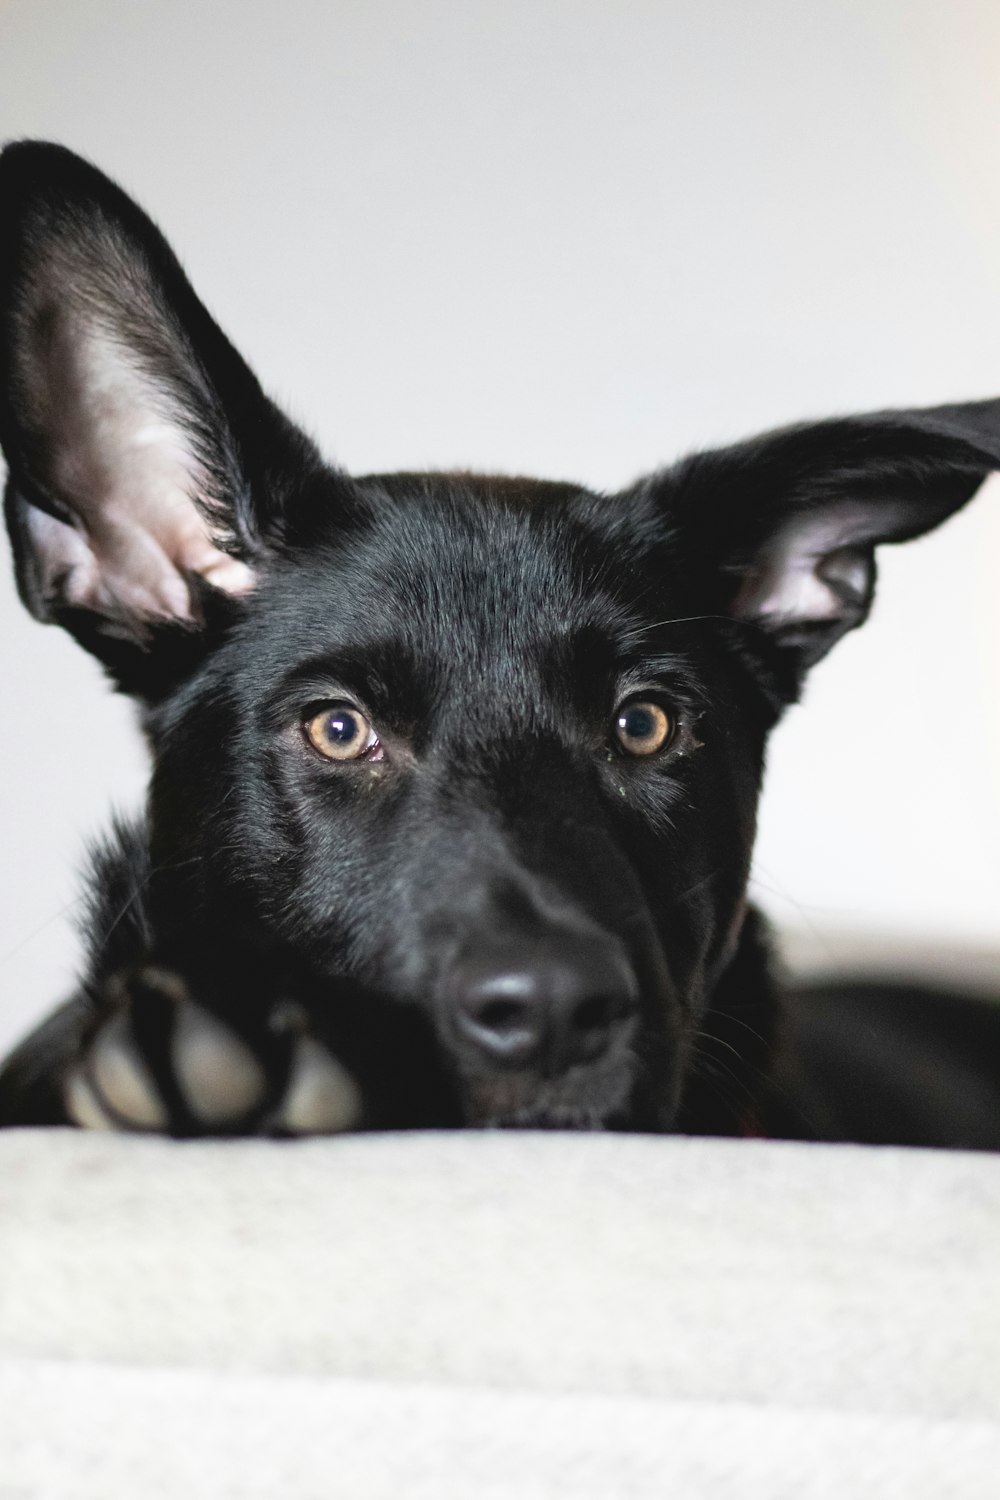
(454,776)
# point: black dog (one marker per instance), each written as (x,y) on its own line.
(454,777)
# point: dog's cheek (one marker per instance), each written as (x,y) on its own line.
(690,844)
(331,883)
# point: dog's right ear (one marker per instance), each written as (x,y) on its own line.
(780,532)
(148,472)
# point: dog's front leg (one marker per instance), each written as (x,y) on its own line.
(145,1055)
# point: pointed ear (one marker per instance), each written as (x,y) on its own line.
(781,531)
(147,470)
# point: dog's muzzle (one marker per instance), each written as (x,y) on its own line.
(541,1025)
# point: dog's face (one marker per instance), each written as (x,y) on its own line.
(487,749)
(474,752)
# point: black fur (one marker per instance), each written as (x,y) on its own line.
(491,629)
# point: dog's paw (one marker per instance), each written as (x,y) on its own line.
(159,1061)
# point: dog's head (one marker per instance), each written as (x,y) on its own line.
(488,748)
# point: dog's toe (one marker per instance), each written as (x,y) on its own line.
(122,1079)
(321,1098)
(220,1078)
(113,1089)
(83,1105)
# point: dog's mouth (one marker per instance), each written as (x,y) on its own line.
(595,1098)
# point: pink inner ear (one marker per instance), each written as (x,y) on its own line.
(807,569)
(136,494)
(68,567)
(126,575)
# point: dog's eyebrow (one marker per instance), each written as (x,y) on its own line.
(385,677)
(673,673)
(600,661)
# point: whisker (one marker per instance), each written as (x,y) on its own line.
(721,1079)
(760,1074)
(739,1021)
(684,620)
(704,880)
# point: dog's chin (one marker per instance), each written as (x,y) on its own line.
(517,1102)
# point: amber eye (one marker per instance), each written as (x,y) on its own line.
(341,732)
(642,728)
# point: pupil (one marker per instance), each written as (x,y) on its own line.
(638,724)
(342,728)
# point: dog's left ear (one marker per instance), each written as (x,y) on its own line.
(781,531)
(149,475)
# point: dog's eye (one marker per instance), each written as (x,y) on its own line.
(642,728)
(341,732)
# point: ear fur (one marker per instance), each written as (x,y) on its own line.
(781,530)
(147,469)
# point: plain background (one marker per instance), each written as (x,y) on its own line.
(571,239)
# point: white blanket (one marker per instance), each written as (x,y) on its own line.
(505,1316)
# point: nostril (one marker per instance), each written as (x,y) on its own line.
(596,1013)
(501,1016)
(589,1025)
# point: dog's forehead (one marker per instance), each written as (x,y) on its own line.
(458,564)
(459,543)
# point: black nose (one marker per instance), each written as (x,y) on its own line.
(544,1004)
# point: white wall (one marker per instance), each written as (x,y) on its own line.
(572,239)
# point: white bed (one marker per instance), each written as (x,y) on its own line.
(496,1317)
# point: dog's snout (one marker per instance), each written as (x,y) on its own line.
(541,1006)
